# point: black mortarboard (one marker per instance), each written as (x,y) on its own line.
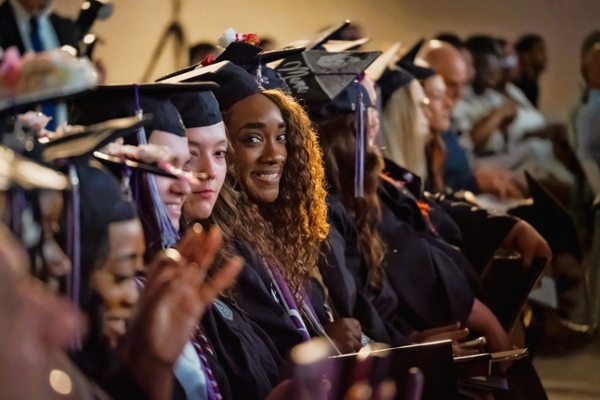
(120,101)
(324,36)
(407,62)
(197,109)
(254,60)
(391,80)
(94,137)
(318,76)
(235,83)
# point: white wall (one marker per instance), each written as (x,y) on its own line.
(136,26)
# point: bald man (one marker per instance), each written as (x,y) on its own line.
(448,61)
(588,119)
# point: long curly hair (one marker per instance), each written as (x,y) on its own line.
(338,140)
(301,200)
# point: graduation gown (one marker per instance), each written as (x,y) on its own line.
(344,272)
(255,296)
(244,351)
(431,277)
(477,232)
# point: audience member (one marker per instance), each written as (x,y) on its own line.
(533,58)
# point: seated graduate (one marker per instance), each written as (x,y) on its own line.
(160,199)
(161,196)
(246,353)
(294,249)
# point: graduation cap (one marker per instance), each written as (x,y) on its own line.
(244,53)
(391,80)
(235,83)
(94,137)
(329,84)
(316,43)
(317,76)
(16,170)
(409,62)
(197,109)
(120,101)
(378,67)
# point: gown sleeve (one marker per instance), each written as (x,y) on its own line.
(345,274)
(254,297)
(426,273)
(245,352)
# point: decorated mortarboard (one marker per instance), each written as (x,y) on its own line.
(39,77)
(329,84)
(235,83)
(197,109)
(317,76)
(243,50)
(416,67)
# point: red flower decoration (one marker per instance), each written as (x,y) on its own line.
(208,60)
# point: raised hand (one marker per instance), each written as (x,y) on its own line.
(176,296)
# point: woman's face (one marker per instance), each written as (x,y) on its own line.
(421,106)
(173,192)
(56,262)
(115,280)
(208,149)
(439,104)
(257,133)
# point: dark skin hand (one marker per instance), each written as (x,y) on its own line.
(345,334)
(524,239)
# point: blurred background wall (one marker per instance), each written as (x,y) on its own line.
(136,26)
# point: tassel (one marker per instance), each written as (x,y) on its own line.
(169,236)
(359,163)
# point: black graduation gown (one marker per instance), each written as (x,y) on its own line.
(429,275)
(254,295)
(345,274)
(477,232)
(245,352)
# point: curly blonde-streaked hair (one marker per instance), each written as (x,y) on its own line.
(301,199)
(339,152)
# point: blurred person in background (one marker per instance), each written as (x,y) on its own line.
(200,51)
(533,60)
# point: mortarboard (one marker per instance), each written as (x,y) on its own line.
(329,83)
(235,83)
(120,101)
(241,50)
(197,109)
(409,62)
(391,80)
(318,77)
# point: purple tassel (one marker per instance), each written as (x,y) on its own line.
(359,163)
